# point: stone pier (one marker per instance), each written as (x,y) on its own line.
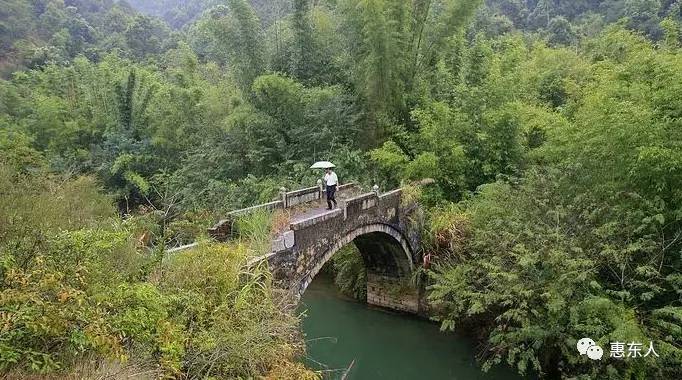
(392,293)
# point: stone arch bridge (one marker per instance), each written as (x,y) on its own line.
(384,227)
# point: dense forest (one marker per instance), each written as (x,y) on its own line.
(552,129)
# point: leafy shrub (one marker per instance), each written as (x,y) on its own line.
(234,324)
(350,274)
(448,231)
(54,260)
(526,270)
(255,228)
(75,295)
(16,151)
(53,303)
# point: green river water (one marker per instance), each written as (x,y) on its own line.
(383,345)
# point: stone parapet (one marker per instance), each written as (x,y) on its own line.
(386,232)
(298,197)
(315,220)
(225,229)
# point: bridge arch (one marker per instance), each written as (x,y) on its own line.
(384,249)
(385,227)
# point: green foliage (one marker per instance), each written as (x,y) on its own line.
(56,259)
(146,36)
(391,160)
(256,228)
(587,242)
(33,34)
(219,301)
(239,39)
(350,276)
(74,288)
(30,207)
(561,31)
(554,124)
(170,112)
(17,153)
(393,45)
(557,20)
(528,266)
(672,33)
(176,13)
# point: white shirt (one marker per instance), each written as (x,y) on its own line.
(331,179)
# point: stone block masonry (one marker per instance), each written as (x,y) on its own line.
(392,293)
(381,227)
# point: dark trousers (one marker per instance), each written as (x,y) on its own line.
(331,195)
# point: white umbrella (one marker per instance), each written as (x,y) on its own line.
(322,165)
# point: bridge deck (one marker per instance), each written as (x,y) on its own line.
(319,207)
(311,213)
(315,208)
(295,207)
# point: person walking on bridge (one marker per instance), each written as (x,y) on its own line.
(330,181)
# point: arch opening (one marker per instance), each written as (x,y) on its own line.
(384,250)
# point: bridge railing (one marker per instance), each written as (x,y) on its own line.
(351,211)
(225,228)
(302,196)
(310,194)
(323,229)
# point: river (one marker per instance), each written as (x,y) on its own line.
(382,344)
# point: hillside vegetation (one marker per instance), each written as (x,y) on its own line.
(553,130)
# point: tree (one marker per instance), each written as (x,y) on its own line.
(238,35)
(561,31)
(643,15)
(15,22)
(599,201)
(672,33)
(541,15)
(399,46)
(306,49)
(147,36)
